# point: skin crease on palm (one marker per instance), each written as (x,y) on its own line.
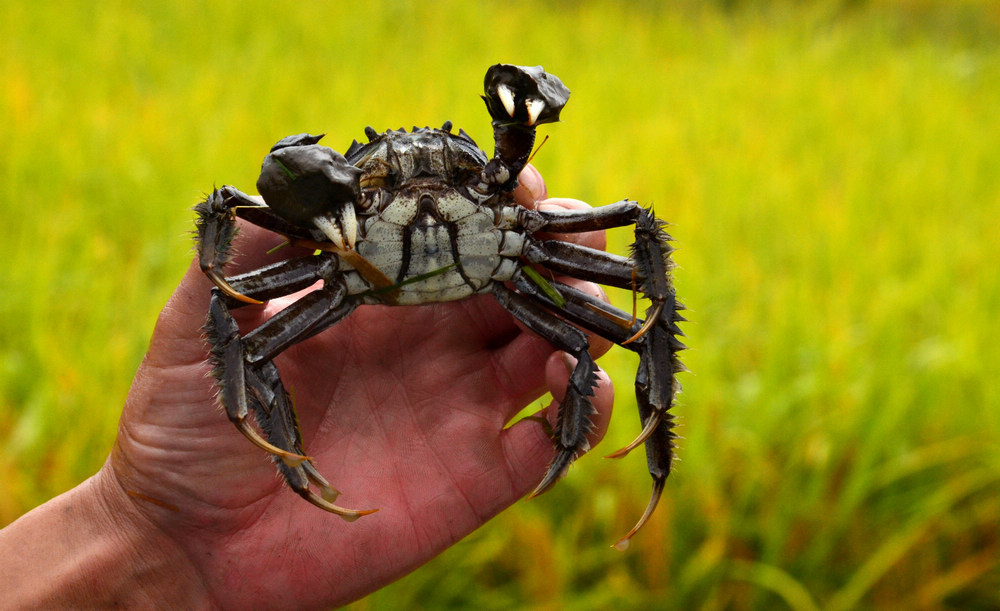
(403,409)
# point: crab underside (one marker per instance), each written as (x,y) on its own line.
(425,216)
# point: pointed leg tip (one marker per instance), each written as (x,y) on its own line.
(651,424)
(558,468)
(623,544)
(622,453)
(348,515)
(654,500)
(227,288)
(539,490)
(289,458)
(352,515)
(545,485)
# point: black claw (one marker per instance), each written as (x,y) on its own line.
(296,140)
(526,95)
(300,182)
(518,99)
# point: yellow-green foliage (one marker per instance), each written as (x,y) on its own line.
(832,175)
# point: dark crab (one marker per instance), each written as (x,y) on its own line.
(421,217)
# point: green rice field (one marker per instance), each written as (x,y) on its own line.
(831,173)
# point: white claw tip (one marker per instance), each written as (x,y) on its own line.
(507,98)
(621,545)
(535,108)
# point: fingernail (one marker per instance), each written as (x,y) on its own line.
(569,362)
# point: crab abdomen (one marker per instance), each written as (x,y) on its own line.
(437,246)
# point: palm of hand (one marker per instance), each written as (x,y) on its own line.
(402,409)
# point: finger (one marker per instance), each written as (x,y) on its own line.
(520,367)
(590,239)
(527,446)
(178,334)
(530,187)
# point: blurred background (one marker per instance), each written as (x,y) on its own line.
(831,171)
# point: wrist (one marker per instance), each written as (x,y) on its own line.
(91,547)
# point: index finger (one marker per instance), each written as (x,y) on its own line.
(532,193)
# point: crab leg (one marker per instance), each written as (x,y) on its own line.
(582,309)
(216,227)
(573,423)
(277,334)
(276,416)
(655,339)
(228,367)
(659,441)
(657,350)
(249,384)
(282,278)
(583,262)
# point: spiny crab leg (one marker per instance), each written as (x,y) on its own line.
(216,228)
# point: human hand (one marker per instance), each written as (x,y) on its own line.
(403,409)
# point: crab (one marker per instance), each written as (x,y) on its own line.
(425,216)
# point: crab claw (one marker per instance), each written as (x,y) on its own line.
(525,95)
(308,184)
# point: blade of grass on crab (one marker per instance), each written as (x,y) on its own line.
(654,499)
(347,514)
(275,249)
(547,288)
(289,458)
(647,430)
(394,288)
